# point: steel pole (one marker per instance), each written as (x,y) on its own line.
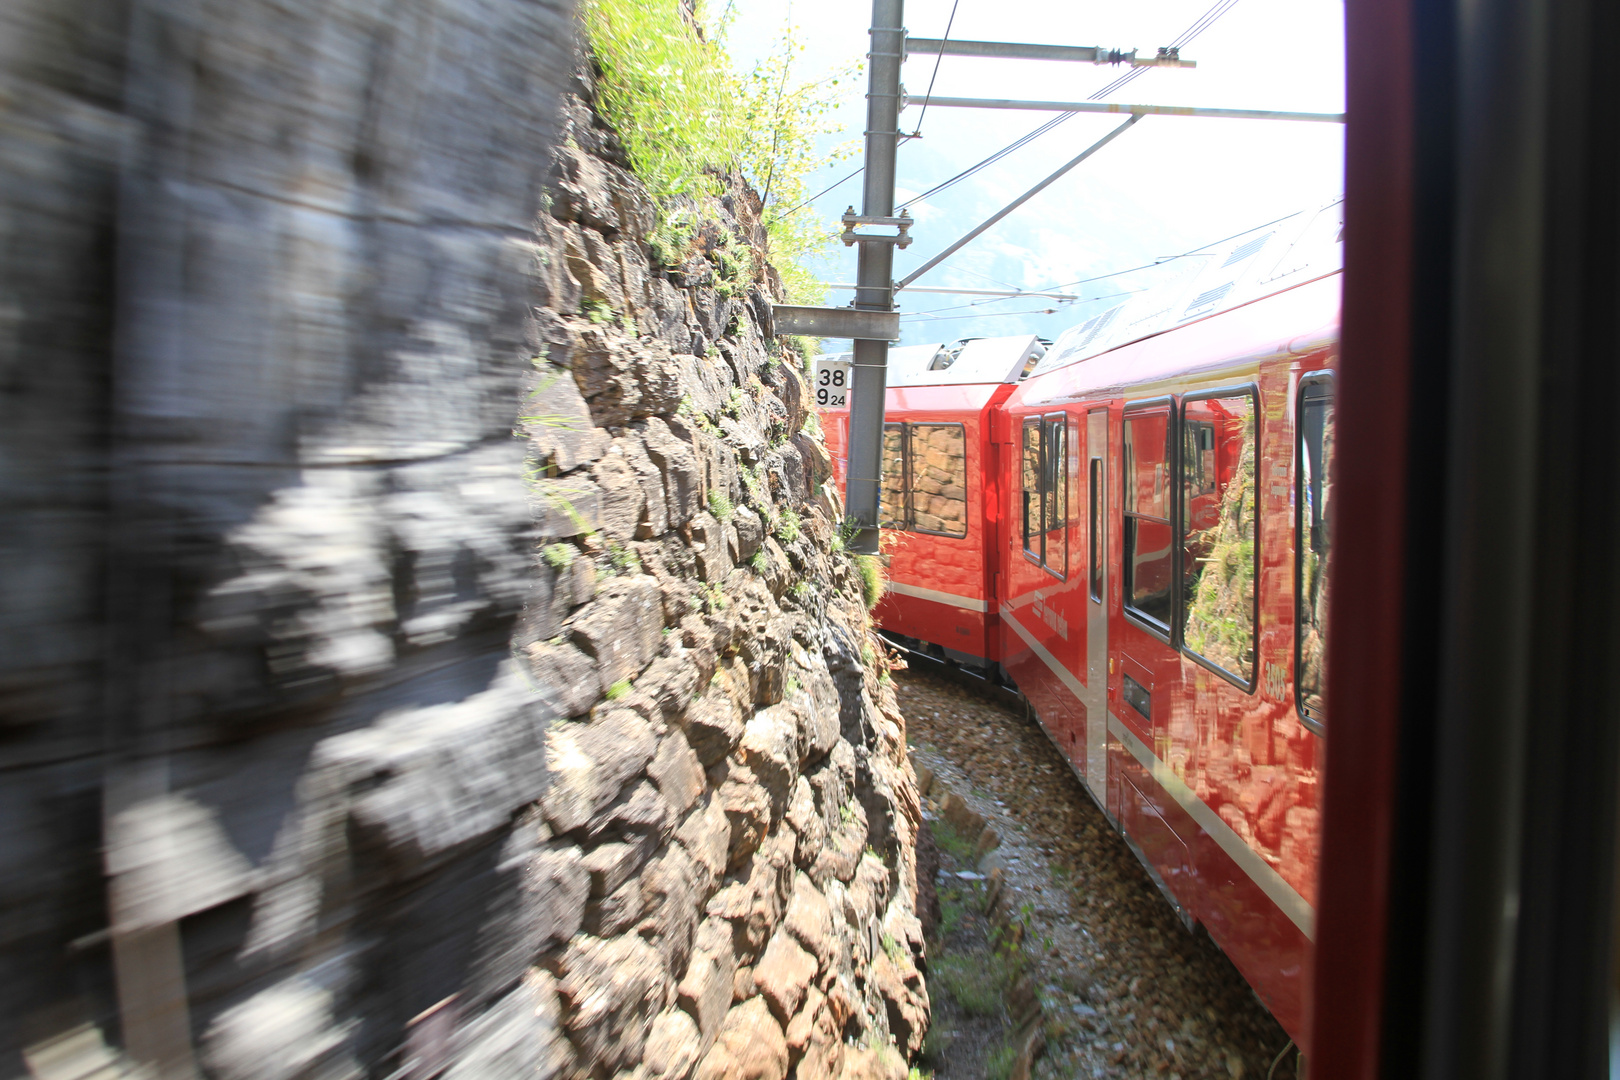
(874,277)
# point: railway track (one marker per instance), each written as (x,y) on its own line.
(1127,991)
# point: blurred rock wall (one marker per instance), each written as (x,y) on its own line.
(424,648)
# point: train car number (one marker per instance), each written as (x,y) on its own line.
(832,383)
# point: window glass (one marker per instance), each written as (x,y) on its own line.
(1147,464)
(1094,527)
(1315,514)
(1218,532)
(938,479)
(1056,485)
(1148,554)
(1033,512)
(892,512)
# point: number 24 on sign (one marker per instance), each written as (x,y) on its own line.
(832,383)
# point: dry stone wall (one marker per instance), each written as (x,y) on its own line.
(436,658)
(728,845)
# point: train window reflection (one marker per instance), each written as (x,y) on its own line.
(1314,457)
(1218,528)
(938,483)
(1148,553)
(892,511)
(1056,484)
(1034,535)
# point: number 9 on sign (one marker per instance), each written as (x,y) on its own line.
(832,375)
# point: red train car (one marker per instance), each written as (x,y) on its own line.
(1154,542)
(941,491)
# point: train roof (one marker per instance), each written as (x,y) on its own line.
(963,362)
(1234,272)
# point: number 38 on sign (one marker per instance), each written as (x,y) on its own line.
(832,380)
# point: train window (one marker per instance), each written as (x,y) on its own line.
(892,510)
(1218,530)
(1055,483)
(1314,458)
(937,482)
(1034,512)
(1094,528)
(1148,554)
(1046,493)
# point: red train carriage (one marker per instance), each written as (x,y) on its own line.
(1128,557)
(940,480)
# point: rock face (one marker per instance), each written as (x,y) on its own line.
(382,739)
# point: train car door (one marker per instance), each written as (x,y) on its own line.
(1096,511)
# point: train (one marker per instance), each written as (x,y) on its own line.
(1130,527)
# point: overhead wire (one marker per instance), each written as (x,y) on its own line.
(950,22)
(1202,23)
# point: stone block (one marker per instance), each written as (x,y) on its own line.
(611,864)
(960,816)
(750,1046)
(750,532)
(677,462)
(714,725)
(809,919)
(783,974)
(564,677)
(748,809)
(770,749)
(623,499)
(623,629)
(925,778)
(565,508)
(616,988)
(641,809)
(807,823)
(706,835)
(705,991)
(671,1051)
(671,906)
(558,423)
(677,771)
(590,763)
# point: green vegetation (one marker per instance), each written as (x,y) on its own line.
(668,88)
(758,561)
(1220,618)
(618,690)
(720,504)
(952,842)
(788,526)
(999,1065)
(623,559)
(559,556)
(874,580)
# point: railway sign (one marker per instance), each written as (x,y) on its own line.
(832,374)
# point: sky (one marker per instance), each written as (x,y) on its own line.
(1166,186)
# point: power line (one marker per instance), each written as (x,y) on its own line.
(1170,258)
(982,315)
(917,133)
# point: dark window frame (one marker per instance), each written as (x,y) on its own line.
(1178,607)
(1096,522)
(1315,724)
(1048,474)
(910,524)
(1172,467)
